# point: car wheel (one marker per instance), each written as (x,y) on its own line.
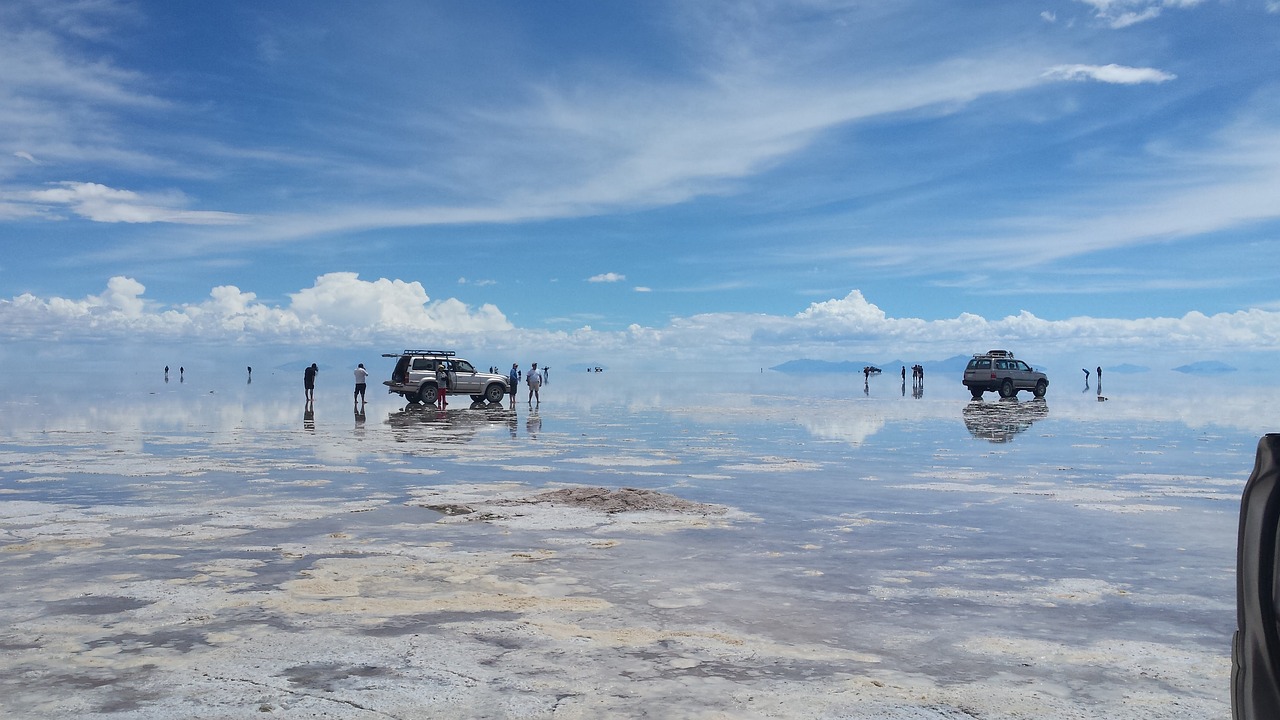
(493,393)
(1006,388)
(977,394)
(426,393)
(1042,387)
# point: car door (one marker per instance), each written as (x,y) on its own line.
(464,378)
(1022,374)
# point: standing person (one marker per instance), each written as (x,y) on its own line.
(534,378)
(309,381)
(513,382)
(442,384)
(1099,376)
(361,376)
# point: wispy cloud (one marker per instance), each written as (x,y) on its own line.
(609,277)
(100,203)
(1116,74)
(1119,14)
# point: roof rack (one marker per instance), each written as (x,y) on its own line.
(442,353)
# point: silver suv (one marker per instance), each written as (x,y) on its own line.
(414,377)
(998,370)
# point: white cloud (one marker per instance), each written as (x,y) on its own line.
(100,203)
(341,310)
(642,289)
(338,308)
(1115,74)
(609,277)
(24,155)
(1124,13)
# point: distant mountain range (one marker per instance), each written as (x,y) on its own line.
(1205,367)
(953,364)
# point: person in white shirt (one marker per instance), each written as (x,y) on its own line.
(361,376)
(534,378)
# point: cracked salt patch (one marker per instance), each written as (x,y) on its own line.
(801,564)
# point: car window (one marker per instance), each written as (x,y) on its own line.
(422,364)
(463,366)
(1002,364)
(973,364)
(1023,366)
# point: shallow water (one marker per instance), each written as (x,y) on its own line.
(213,548)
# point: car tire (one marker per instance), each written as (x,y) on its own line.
(494,393)
(1007,390)
(977,394)
(425,394)
(1042,387)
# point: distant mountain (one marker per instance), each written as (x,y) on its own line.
(954,364)
(821,366)
(1205,367)
(1127,368)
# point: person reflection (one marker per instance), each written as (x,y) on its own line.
(533,424)
(309,417)
(359,429)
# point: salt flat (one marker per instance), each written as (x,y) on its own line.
(214,549)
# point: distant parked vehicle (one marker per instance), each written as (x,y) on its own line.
(414,377)
(999,371)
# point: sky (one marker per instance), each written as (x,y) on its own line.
(725,183)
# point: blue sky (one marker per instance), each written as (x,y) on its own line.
(618,182)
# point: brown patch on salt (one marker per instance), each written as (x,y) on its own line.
(620,500)
(572,508)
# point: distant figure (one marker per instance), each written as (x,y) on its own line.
(309,381)
(513,382)
(904,374)
(361,376)
(546,374)
(1099,376)
(442,384)
(166,371)
(181,370)
(866,375)
(535,381)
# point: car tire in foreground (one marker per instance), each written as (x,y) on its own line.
(1042,387)
(1007,390)
(494,393)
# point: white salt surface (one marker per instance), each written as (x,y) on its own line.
(173,553)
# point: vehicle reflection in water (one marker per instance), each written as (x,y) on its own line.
(418,423)
(1000,421)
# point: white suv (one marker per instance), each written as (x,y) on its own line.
(998,370)
(414,377)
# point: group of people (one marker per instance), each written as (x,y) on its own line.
(534,380)
(917,374)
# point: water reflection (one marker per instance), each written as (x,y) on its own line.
(1000,421)
(417,423)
